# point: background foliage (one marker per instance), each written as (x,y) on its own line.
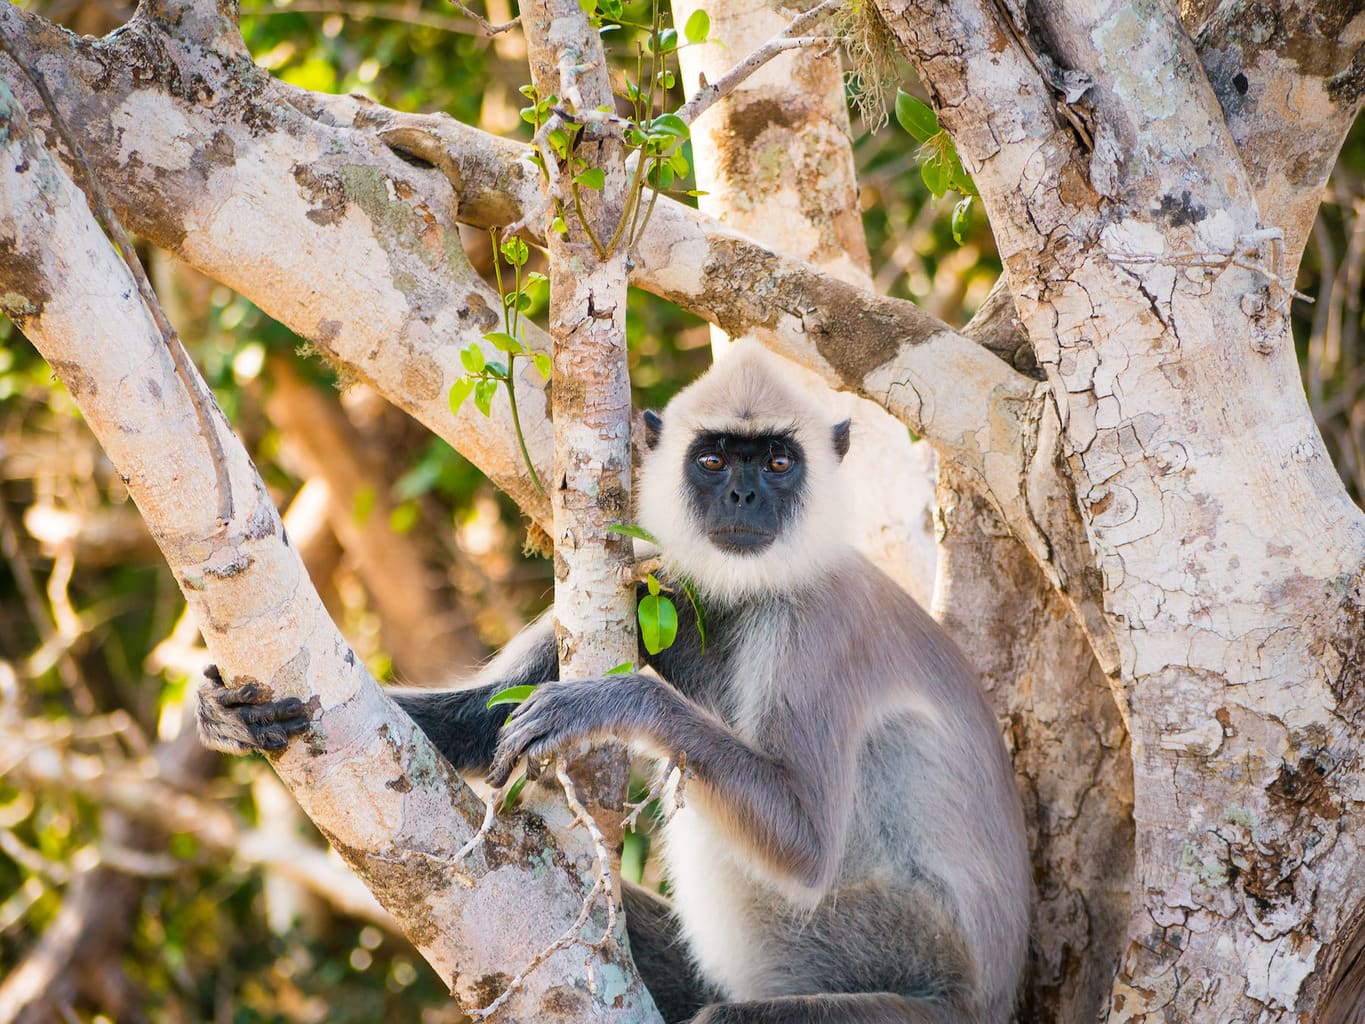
(193,914)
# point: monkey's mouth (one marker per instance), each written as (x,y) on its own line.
(740,539)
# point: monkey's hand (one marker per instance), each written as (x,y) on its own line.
(560,714)
(241,719)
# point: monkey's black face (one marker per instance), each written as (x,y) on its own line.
(744,490)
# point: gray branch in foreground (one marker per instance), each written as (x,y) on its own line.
(388,803)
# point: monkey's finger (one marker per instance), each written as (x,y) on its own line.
(212,674)
(501,771)
(241,696)
(288,710)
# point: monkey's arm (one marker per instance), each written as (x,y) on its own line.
(782,808)
(460,722)
(240,719)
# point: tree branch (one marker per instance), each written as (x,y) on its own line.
(387,802)
(1290,77)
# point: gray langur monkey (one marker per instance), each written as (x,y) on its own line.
(851,848)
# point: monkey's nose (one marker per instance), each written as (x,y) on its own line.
(744,498)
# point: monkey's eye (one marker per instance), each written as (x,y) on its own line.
(711,462)
(779,463)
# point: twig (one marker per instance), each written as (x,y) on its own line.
(790,38)
(490,813)
(670,778)
(86,181)
(484,23)
(573,935)
(1250,253)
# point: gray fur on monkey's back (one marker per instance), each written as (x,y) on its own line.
(850,849)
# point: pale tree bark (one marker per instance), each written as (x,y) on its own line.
(1166,480)
(1231,555)
(775,161)
(590,488)
(380,792)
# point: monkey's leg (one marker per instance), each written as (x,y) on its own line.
(857,1008)
(661,956)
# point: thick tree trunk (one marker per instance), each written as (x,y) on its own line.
(1231,555)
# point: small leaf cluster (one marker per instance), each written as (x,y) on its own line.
(657,141)
(940,166)
(483,376)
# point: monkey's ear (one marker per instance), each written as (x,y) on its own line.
(654,424)
(840,437)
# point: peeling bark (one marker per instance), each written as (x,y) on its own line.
(1231,555)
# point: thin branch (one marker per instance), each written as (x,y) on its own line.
(790,38)
(86,181)
(602,886)
(669,779)
(484,23)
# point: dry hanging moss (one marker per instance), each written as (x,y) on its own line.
(872,57)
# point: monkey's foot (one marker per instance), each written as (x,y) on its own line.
(242,719)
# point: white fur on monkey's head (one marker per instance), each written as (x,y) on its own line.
(746,393)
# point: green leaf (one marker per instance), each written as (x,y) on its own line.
(631,530)
(666,79)
(698,26)
(459,391)
(558,226)
(623,669)
(515,252)
(472,357)
(658,623)
(363,505)
(512,695)
(535,277)
(593,177)
(513,796)
(960,213)
(678,161)
(936,174)
(664,42)
(403,518)
(588,6)
(529,91)
(613,9)
(484,391)
(495,368)
(916,117)
(669,126)
(503,341)
(691,593)
(660,176)
(543,363)
(652,582)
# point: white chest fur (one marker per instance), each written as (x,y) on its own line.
(711,896)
